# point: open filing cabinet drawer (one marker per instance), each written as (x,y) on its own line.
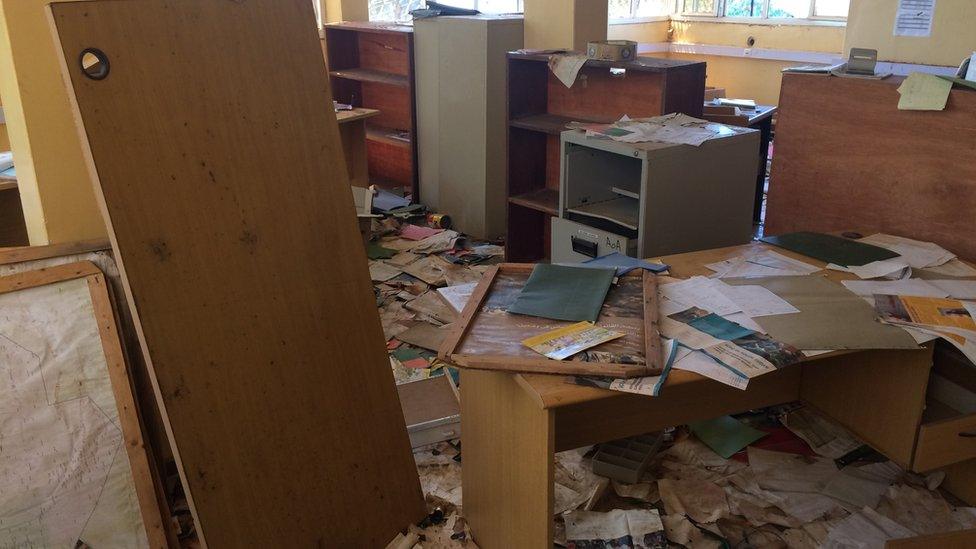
(919,415)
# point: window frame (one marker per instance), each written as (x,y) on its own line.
(636,19)
(811,17)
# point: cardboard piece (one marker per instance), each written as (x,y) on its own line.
(818,325)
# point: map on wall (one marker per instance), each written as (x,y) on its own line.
(65,479)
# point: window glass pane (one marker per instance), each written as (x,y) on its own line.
(789,8)
(831,8)
(392,10)
(743,8)
(497,6)
(650,8)
(618,9)
(698,6)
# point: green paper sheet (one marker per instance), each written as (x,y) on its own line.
(564,293)
(375,251)
(725,435)
(830,249)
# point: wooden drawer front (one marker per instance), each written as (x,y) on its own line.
(944,442)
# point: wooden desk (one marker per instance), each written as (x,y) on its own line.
(352,131)
(513,424)
(760,119)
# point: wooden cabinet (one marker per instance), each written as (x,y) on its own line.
(540,106)
(371,65)
(461,63)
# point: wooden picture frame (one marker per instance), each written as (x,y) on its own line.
(158,531)
(483,319)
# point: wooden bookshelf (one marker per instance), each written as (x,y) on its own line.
(372,65)
(540,106)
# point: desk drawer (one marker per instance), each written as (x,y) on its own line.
(948,431)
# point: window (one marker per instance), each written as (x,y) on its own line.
(399,10)
(767,9)
(634,9)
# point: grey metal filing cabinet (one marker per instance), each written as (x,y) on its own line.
(651,199)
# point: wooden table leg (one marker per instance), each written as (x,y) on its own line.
(507,462)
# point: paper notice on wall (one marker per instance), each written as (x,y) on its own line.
(914,18)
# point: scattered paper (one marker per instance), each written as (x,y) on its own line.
(825,437)
(916,253)
(703,501)
(670,128)
(416,232)
(701,292)
(765,263)
(888,268)
(381,272)
(756,300)
(636,528)
(953,267)
(566,67)
(458,296)
(704,365)
(865,529)
(958,289)
(908,286)
(567,341)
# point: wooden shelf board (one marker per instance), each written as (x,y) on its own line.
(372,75)
(6,185)
(381,134)
(543,200)
(552,124)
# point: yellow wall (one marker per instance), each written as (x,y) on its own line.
(566,24)
(757,79)
(644,33)
(55,190)
(870,24)
(334,11)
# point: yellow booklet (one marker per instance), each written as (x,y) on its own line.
(569,340)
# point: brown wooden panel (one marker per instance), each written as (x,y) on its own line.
(685,91)
(391,163)
(945,442)
(393,102)
(847,157)
(553,161)
(856,389)
(962,539)
(961,481)
(384,52)
(341,50)
(527,82)
(218,166)
(597,96)
(13,229)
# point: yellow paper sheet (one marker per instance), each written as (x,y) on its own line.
(923,92)
(567,341)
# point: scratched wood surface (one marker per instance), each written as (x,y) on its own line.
(218,165)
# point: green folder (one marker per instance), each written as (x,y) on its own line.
(831,249)
(564,293)
(725,435)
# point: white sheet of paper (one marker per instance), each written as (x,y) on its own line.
(457,296)
(916,253)
(765,263)
(958,289)
(953,267)
(914,18)
(875,269)
(704,365)
(700,292)
(908,286)
(756,300)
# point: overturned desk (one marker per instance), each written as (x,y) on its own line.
(512,424)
